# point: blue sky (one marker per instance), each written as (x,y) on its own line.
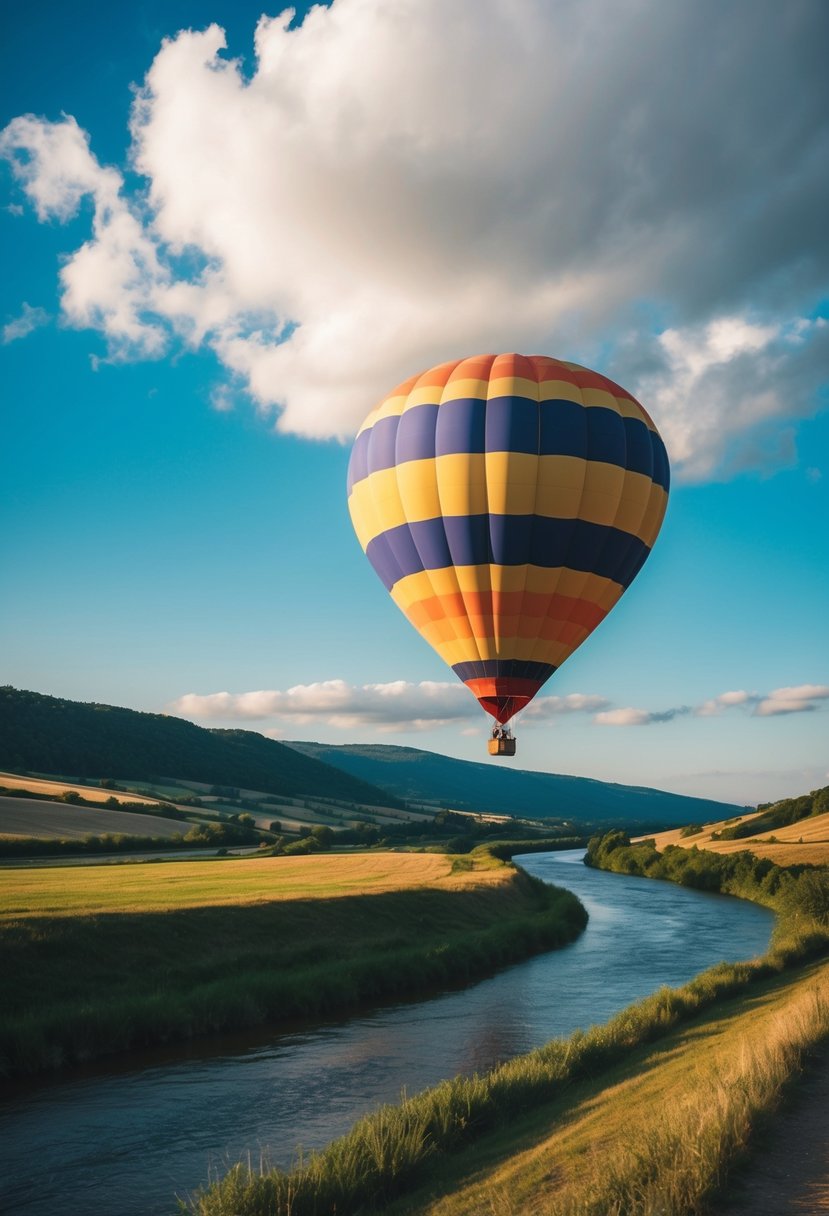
(198,314)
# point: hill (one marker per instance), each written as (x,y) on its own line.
(423,776)
(791,832)
(50,735)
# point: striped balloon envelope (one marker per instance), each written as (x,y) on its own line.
(506,502)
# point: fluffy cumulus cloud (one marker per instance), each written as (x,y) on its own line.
(803,698)
(395,706)
(639,185)
(401,705)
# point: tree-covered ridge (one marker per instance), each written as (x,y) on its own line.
(780,815)
(422,776)
(51,735)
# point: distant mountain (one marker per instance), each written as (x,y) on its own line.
(78,739)
(426,776)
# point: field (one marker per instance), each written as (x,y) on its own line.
(54,788)
(49,820)
(295,815)
(141,953)
(175,885)
(804,842)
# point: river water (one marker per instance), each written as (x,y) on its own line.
(126,1138)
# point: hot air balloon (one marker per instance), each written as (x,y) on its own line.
(506,502)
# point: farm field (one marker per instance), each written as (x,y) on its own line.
(55,787)
(806,841)
(175,885)
(295,815)
(50,820)
(139,953)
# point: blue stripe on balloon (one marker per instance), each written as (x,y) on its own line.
(506,540)
(661,467)
(416,434)
(506,669)
(358,461)
(461,426)
(509,424)
(382,444)
(606,437)
(512,425)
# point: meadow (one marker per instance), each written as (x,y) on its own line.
(176,885)
(137,954)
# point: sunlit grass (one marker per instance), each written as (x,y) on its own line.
(92,890)
(588,1123)
(108,958)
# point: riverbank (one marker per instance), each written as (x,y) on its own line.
(147,954)
(459,1148)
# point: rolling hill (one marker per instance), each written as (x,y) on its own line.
(50,735)
(410,773)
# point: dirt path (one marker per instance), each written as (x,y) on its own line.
(788,1174)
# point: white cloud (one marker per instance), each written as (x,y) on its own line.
(115,281)
(623,717)
(26,323)
(544,708)
(336,703)
(725,700)
(801,699)
(638,717)
(400,183)
(401,705)
(395,706)
(725,385)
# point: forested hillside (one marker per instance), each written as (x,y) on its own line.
(425,776)
(78,739)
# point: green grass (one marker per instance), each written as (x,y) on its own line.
(629,1163)
(423,1141)
(81,979)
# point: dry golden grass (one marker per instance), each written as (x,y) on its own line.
(188,884)
(659,1140)
(53,789)
(812,832)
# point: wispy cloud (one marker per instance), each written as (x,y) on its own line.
(544,708)
(395,706)
(798,700)
(639,717)
(26,323)
(803,698)
(449,198)
(726,700)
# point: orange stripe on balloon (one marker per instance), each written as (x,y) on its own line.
(529,606)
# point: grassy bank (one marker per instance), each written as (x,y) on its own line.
(661,1149)
(166,951)
(797,892)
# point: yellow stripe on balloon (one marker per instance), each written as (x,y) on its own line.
(501,483)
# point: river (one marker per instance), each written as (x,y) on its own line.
(127,1137)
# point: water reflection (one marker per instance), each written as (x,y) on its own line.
(127,1140)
